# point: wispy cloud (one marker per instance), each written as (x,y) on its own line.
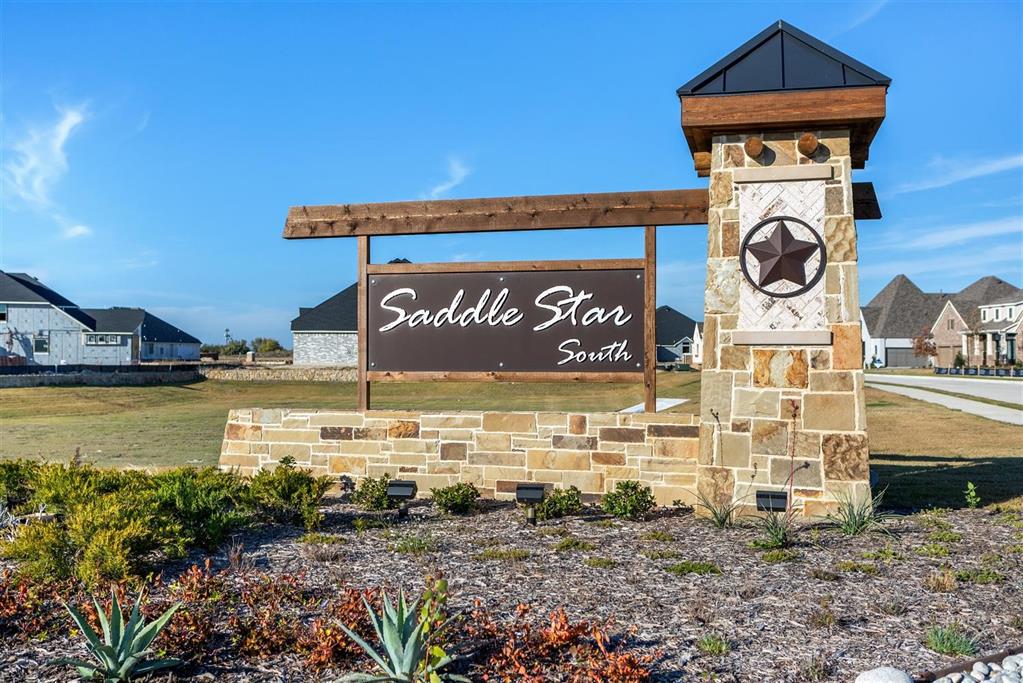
(979,263)
(38,160)
(946,172)
(869,12)
(145,259)
(457,173)
(941,236)
(74,231)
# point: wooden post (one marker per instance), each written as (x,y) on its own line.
(649,317)
(363,314)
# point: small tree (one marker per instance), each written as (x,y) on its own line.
(266,345)
(235,347)
(959,361)
(923,344)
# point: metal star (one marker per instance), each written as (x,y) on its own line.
(782,257)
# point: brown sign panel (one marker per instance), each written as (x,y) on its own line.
(510,321)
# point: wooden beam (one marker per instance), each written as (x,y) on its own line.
(362,315)
(580,377)
(544,212)
(507,266)
(861,110)
(649,318)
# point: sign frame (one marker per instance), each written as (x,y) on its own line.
(647,376)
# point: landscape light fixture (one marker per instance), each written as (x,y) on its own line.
(530,495)
(772,501)
(402,490)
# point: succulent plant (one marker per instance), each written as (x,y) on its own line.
(122,651)
(407,656)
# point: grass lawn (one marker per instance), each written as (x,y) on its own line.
(166,425)
(924,453)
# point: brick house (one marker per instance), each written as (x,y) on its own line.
(982,322)
(899,313)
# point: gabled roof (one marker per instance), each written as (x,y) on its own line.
(990,290)
(127,320)
(901,310)
(672,326)
(339,313)
(23,288)
(781,57)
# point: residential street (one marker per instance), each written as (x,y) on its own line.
(1008,390)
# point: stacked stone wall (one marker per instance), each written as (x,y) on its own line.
(492,450)
(282,373)
(781,415)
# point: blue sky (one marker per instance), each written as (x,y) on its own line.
(151,151)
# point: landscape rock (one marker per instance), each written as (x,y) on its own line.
(884,674)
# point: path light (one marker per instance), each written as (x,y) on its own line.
(402,490)
(772,501)
(530,495)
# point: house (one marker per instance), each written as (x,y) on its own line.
(981,321)
(981,324)
(679,337)
(328,333)
(39,326)
(898,314)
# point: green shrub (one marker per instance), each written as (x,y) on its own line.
(600,562)
(42,550)
(372,494)
(779,555)
(779,531)
(16,482)
(457,499)
(972,497)
(208,504)
(857,567)
(933,550)
(560,503)
(713,644)
(722,514)
(693,567)
(629,500)
(981,575)
(658,536)
(288,494)
(414,544)
(944,536)
(570,543)
(502,554)
(950,640)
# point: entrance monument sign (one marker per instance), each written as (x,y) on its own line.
(778,125)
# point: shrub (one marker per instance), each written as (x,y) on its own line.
(600,562)
(266,345)
(458,499)
(658,536)
(857,567)
(855,517)
(780,555)
(693,567)
(372,494)
(886,554)
(950,640)
(981,575)
(209,504)
(629,500)
(944,536)
(560,503)
(933,550)
(713,644)
(722,515)
(288,494)
(570,543)
(15,482)
(43,551)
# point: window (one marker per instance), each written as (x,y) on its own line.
(149,349)
(997,311)
(950,325)
(41,344)
(3,312)
(102,339)
(983,315)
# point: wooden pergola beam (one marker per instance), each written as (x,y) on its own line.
(543,212)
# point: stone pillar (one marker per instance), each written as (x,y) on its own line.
(782,403)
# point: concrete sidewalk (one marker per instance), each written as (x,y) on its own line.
(1006,390)
(987,410)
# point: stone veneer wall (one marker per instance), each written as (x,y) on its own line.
(762,403)
(278,373)
(492,450)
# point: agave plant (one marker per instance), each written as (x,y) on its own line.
(121,653)
(407,656)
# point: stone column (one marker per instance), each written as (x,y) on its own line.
(782,402)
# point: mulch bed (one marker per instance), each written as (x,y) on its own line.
(812,618)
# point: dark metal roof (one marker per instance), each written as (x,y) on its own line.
(781,57)
(672,327)
(127,320)
(23,288)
